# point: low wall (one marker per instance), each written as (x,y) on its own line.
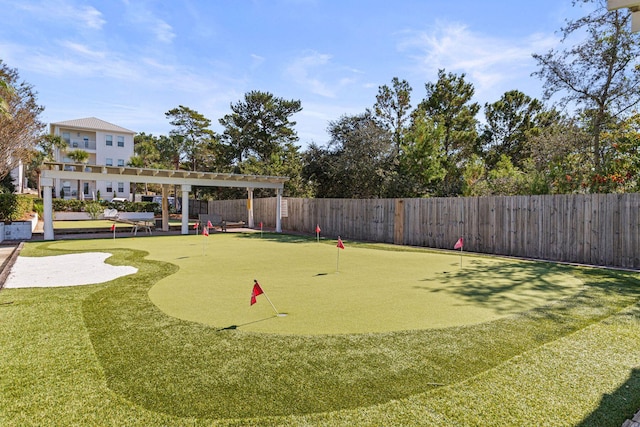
(17,230)
(70,216)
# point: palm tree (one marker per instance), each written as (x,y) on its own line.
(78,156)
(45,153)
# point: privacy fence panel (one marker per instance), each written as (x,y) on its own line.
(597,229)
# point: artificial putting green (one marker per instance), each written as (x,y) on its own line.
(82,355)
(325,290)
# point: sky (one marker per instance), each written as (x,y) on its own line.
(130,61)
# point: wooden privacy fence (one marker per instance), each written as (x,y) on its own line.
(595,229)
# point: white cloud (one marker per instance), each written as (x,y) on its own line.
(141,16)
(87,16)
(305,69)
(91,16)
(163,31)
(488,61)
(316,73)
(82,49)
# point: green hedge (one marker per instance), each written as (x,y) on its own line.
(75,205)
(14,206)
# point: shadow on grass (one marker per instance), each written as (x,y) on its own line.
(234,327)
(505,286)
(525,283)
(618,406)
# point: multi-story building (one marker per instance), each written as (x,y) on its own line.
(106,144)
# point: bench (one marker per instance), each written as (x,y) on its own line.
(215,219)
(142,220)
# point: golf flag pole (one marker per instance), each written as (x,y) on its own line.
(257,290)
(196,227)
(205,234)
(261,231)
(318,233)
(113,229)
(340,245)
(459,245)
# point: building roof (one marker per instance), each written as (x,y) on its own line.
(92,123)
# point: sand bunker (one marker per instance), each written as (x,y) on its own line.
(64,270)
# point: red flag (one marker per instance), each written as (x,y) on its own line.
(340,244)
(205,231)
(209,225)
(260,224)
(113,227)
(318,229)
(459,244)
(257,290)
(196,225)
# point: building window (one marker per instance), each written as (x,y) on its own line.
(120,162)
(121,141)
(108,162)
(85,188)
(67,137)
(66,189)
(109,140)
(86,142)
(109,187)
(121,187)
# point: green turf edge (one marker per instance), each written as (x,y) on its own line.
(568,319)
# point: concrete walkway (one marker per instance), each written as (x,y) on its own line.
(8,253)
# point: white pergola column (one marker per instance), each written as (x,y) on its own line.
(279,210)
(186,189)
(250,207)
(47,198)
(165,207)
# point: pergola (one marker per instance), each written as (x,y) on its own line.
(166,178)
(634,8)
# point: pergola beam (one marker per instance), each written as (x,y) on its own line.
(634,8)
(159,176)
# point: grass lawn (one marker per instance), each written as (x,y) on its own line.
(514,342)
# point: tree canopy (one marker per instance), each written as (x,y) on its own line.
(582,136)
(20,125)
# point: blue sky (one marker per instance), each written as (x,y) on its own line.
(130,61)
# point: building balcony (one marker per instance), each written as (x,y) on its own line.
(80,144)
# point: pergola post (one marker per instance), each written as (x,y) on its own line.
(165,207)
(47,190)
(279,210)
(250,207)
(185,209)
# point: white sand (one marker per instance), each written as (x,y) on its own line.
(64,270)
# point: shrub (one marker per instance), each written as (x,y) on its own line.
(14,206)
(8,206)
(25,205)
(74,205)
(38,207)
(134,206)
(71,205)
(94,209)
